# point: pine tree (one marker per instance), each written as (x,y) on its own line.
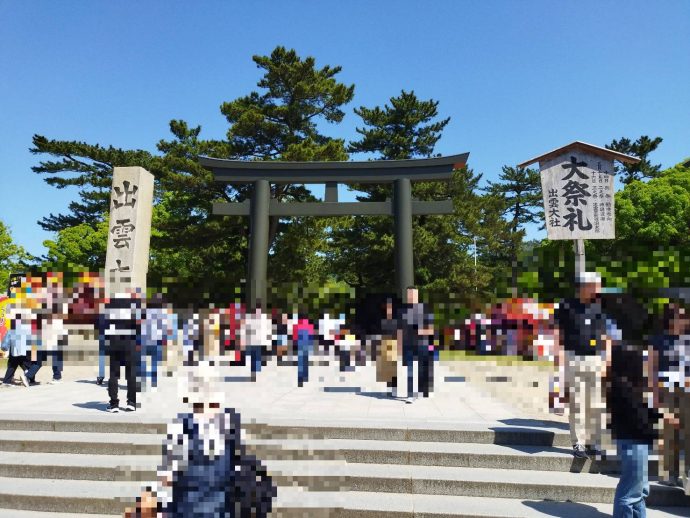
(641,148)
(518,193)
(281,123)
(93,165)
(362,247)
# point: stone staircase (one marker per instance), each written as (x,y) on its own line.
(64,468)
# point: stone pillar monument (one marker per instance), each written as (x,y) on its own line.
(131,204)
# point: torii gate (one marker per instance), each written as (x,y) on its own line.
(398,172)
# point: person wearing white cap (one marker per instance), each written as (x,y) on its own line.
(585,336)
(206,471)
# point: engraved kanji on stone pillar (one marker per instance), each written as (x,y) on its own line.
(129,230)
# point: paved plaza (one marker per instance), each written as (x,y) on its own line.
(329,395)
(339,446)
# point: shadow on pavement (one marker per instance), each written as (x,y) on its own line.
(93,405)
(350,390)
(565,509)
(237,378)
(535,423)
(378,395)
(104,385)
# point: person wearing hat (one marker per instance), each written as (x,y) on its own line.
(585,336)
(206,471)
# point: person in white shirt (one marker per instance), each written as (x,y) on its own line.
(328,330)
(256,336)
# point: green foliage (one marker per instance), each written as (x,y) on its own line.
(13,257)
(281,122)
(656,213)
(520,190)
(93,165)
(80,246)
(191,249)
(403,129)
(361,250)
(641,148)
(651,250)
(314,299)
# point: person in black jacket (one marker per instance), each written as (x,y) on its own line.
(119,334)
(632,399)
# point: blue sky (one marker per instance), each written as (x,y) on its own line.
(516,77)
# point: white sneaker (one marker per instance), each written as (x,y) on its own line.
(54,382)
(25,380)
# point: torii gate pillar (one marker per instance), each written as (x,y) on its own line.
(402,214)
(258,241)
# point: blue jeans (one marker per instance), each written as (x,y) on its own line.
(255,353)
(154,351)
(303,361)
(101,359)
(41,357)
(408,360)
(633,486)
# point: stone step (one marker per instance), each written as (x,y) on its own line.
(78,467)
(67,496)
(62,499)
(121,423)
(459,481)
(542,458)
(16,513)
(87,443)
(295,503)
(67,455)
(63,456)
(299,429)
(508,435)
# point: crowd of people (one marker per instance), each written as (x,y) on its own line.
(136,333)
(625,383)
(623,379)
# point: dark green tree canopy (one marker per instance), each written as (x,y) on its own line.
(13,257)
(641,148)
(520,190)
(281,122)
(401,130)
(89,167)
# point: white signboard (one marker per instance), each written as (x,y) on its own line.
(129,230)
(578,196)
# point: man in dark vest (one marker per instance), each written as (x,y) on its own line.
(584,334)
(119,333)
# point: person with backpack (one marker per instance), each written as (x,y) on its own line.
(206,471)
